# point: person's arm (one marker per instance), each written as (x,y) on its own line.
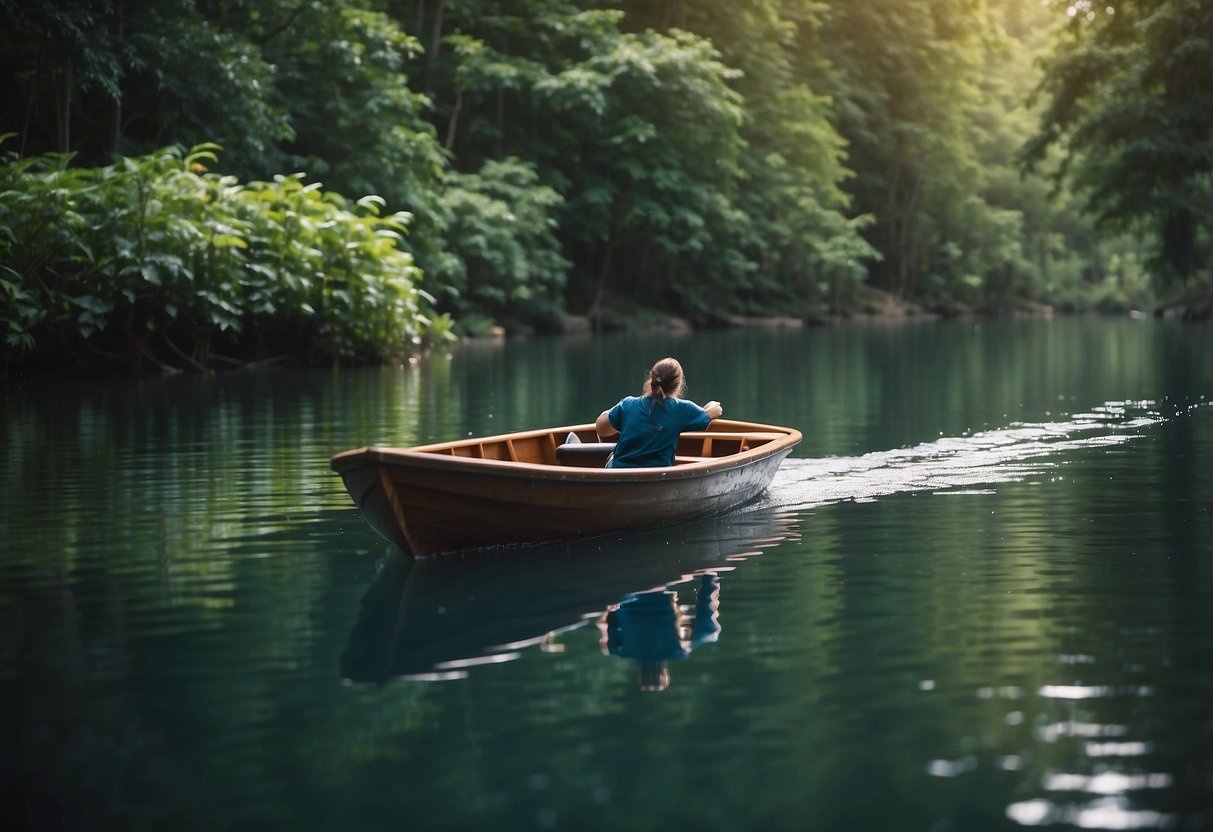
(713,409)
(603,425)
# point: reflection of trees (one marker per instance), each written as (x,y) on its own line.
(855,389)
(183,572)
(149,523)
(189,469)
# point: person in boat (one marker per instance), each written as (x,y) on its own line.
(649,424)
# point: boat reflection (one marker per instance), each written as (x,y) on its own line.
(653,596)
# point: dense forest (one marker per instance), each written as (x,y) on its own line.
(201,183)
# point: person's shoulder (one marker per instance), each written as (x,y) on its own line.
(626,404)
(692,413)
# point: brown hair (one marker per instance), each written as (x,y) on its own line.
(665,379)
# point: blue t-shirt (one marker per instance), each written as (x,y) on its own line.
(648,431)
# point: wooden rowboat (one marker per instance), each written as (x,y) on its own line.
(534,486)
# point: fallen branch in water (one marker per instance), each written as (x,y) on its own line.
(235,362)
(197,365)
(167,369)
(265,362)
(248,365)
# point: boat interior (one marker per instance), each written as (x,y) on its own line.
(582,448)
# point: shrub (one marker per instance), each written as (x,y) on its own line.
(155,253)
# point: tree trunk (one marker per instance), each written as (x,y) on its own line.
(604,273)
(500,121)
(431,65)
(116,112)
(893,272)
(904,242)
(64,102)
(1179,244)
(436,33)
(453,124)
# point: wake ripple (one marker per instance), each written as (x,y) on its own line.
(962,464)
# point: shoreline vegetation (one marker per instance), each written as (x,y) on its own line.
(156,265)
(178,180)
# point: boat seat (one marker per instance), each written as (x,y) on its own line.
(680,459)
(584,454)
(751,435)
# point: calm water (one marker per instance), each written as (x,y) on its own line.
(979,596)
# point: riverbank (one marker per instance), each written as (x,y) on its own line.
(1199,310)
(876,307)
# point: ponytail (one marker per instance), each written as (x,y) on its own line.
(655,389)
(665,381)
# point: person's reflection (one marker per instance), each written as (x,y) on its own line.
(652,629)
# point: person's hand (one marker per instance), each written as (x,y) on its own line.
(713,409)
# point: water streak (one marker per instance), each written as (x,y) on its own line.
(964,464)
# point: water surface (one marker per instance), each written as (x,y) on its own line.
(976,597)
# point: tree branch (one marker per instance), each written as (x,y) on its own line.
(278,30)
(189,359)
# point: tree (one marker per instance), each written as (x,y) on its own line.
(638,131)
(279,84)
(1129,103)
(903,79)
(153,257)
(800,245)
(502,260)
(122,77)
(652,212)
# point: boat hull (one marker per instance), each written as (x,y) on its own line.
(429,503)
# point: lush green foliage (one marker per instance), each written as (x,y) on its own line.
(604,115)
(631,159)
(1129,94)
(798,248)
(510,265)
(158,260)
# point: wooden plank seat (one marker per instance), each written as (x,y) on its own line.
(716,444)
(584,454)
(694,446)
(757,437)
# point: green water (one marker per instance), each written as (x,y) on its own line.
(979,596)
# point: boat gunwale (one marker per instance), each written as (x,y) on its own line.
(425,456)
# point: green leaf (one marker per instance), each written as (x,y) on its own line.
(228,241)
(92,304)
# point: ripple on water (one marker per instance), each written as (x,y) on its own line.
(1009,454)
(954,625)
